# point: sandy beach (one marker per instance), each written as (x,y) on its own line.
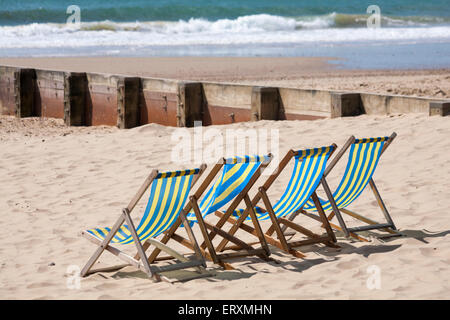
(387,63)
(58,180)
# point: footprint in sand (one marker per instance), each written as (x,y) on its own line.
(430,252)
(39,285)
(330,282)
(114,204)
(400,289)
(42,269)
(106,286)
(347,265)
(68,240)
(301,284)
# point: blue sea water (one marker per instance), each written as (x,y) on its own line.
(412,34)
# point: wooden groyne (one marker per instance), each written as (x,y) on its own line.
(87,99)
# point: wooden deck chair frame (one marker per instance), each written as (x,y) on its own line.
(279,225)
(389,226)
(211,254)
(140,260)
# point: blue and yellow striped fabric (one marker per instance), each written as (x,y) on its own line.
(362,162)
(168,195)
(236,174)
(308,170)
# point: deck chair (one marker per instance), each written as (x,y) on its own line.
(306,176)
(362,161)
(232,185)
(168,194)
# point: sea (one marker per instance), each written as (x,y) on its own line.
(360,34)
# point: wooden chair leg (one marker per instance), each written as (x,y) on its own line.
(370,222)
(249,210)
(290,218)
(256,224)
(322,215)
(103,245)
(381,204)
(139,247)
(192,238)
(270,230)
(334,226)
(189,245)
(145,246)
(229,237)
(201,224)
(274,242)
(233,229)
(224,218)
(113,250)
(335,207)
(331,216)
(273,218)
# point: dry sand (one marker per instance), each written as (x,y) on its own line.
(57,181)
(298,72)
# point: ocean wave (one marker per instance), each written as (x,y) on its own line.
(262,22)
(249,23)
(253,23)
(247,29)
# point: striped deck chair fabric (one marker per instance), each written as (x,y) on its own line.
(168,194)
(308,170)
(236,174)
(362,162)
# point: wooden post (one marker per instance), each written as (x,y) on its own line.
(265,103)
(190,103)
(345,104)
(24,86)
(440,108)
(128,113)
(75,90)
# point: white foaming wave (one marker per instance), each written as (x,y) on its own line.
(253,23)
(257,29)
(317,22)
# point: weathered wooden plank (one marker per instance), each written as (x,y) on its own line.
(75,92)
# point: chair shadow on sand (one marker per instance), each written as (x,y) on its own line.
(329,254)
(216,274)
(420,235)
(324,255)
